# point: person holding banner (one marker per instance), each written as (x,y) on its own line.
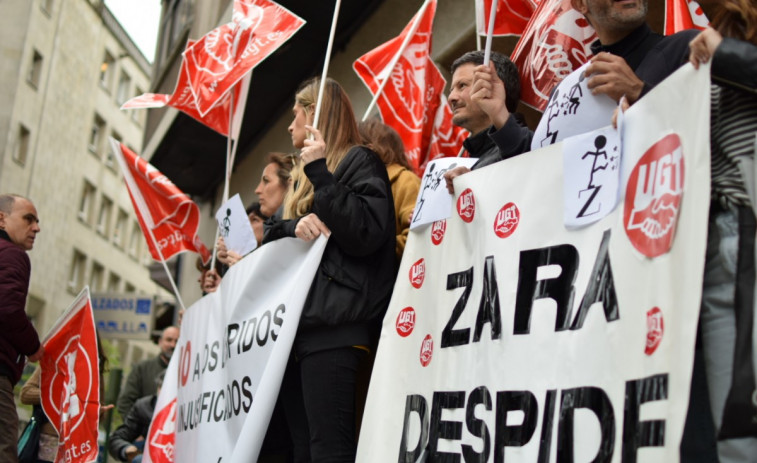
(19,225)
(728,305)
(387,143)
(486,109)
(340,190)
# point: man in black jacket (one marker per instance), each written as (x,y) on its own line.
(135,425)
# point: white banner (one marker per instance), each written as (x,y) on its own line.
(510,338)
(233,350)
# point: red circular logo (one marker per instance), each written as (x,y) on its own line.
(405,322)
(655,330)
(417,273)
(653,197)
(437,231)
(427,350)
(185,363)
(507,220)
(466,205)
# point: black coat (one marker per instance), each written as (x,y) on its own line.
(353,284)
(136,424)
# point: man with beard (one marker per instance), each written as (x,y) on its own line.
(141,380)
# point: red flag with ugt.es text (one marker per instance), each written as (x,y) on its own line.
(511,16)
(161,207)
(681,15)
(70,382)
(412,97)
(217,118)
(160,442)
(557,40)
(223,56)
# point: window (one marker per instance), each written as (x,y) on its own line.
(76,274)
(135,240)
(174,26)
(96,135)
(35,70)
(103,218)
(22,145)
(110,161)
(129,288)
(137,115)
(124,83)
(114,283)
(106,71)
(119,231)
(87,202)
(96,277)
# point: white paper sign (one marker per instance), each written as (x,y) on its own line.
(235,227)
(434,201)
(591,166)
(572,110)
(510,338)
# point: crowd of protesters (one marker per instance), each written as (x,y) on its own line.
(351,182)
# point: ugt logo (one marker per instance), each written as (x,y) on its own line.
(418,273)
(653,197)
(437,231)
(507,220)
(73,382)
(466,205)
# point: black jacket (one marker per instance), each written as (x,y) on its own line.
(136,424)
(354,281)
(735,64)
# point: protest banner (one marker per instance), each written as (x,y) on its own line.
(231,357)
(70,382)
(512,338)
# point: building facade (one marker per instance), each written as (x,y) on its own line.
(67,65)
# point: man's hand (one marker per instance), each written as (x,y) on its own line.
(311,227)
(37,355)
(131,452)
(610,75)
(488,92)
(703,46)
(451,174)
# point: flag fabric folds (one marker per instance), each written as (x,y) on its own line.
(556,41)
(412,101)
(511,17)
(162,209)
(70,382)
(684,14)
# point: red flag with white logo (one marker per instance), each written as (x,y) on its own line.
(160,442)
(223,56)
(163,210)
(557,40)
(412,98)
(511,16)
(217,118)
(70,382)
(684,14)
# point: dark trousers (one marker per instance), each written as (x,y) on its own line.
(318,394)
(8,422)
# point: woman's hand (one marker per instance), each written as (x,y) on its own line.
(315,148)
(703,46)
(311,227)
(226,255)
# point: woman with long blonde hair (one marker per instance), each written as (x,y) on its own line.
(728,305)
(339,189)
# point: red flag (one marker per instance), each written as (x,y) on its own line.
(556,41)
(161,207)
(413,95)
(223,56)
(217,118)
(684,14)
(160,441)
(511,17)
(70,382)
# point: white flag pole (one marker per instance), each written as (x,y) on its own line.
(390,67)
(139,200)
(490,32)
(326,64)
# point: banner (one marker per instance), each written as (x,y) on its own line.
(510,18)
(557,40)
(162,209)
(510,338)
(233,348)
(70,382)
